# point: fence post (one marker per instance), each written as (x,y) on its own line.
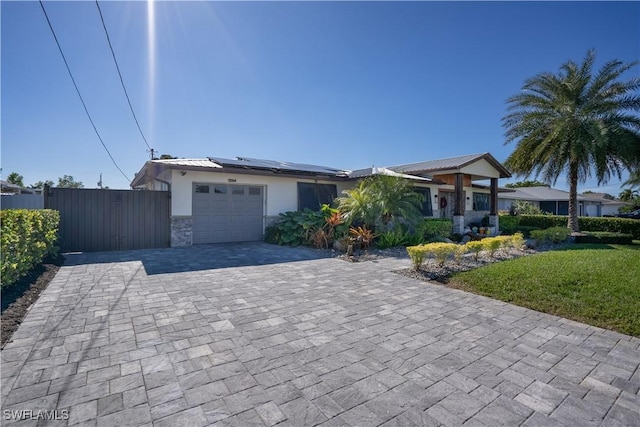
(45,194)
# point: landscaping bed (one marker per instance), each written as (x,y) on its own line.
(18,298)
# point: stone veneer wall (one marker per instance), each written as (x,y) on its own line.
(458,224)
(181,231)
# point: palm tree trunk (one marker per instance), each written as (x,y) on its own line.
(573,199)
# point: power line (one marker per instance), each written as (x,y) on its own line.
(78,91)
(120,75)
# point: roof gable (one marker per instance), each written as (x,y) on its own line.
(452,163)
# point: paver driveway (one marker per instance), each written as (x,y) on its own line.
(182,337)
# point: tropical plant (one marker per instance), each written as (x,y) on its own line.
(379,200)
(634,179)
(362,236)
(522,207)
(576,123)
(628,194)
(392,238)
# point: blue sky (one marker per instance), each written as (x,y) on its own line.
(343,84)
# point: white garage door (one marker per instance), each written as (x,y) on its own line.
(227,213)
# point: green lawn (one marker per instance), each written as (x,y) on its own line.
(594,284)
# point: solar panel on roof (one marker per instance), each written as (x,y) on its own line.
(250,163)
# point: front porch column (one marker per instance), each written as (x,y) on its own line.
(458,209)
(493,205)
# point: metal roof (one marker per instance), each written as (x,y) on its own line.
(279,166)
(198,163)
(450,163)
(538,194)
(362,173)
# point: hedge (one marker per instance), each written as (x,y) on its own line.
(605,237)
(27,237)
(586,223)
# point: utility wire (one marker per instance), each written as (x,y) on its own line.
(120,75)
(78,91)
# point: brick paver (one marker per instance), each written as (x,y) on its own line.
(253,334)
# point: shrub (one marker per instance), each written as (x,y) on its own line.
(417,255)
(441,251)
(459,252)
(318,228)
(586,223)
(391,238)
(553,234)
(475,247)
(605,237)
(27,237)
(517,241)
(492,244)
(508,223)
(525,231)
(435,228)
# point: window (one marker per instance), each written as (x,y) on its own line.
(548,207)
(202,188)
(480,202)
(238,191)
(220,189)
(313,196)
(426,208)
(254,191)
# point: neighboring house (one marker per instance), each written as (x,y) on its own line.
(556,201)
(9,188)
(226,200)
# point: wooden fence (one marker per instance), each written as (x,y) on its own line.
(106,220)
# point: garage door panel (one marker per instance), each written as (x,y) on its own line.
(227,213)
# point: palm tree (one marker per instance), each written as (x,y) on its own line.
(634,179)
(627,195)
(575,123)
(379,199)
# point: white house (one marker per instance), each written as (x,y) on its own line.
(226,200)
(557,201)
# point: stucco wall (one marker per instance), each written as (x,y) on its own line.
(481,168)
(281,192)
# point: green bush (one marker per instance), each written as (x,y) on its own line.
(586,223)
(509,223)
(27,237)
(301,227)
(605,237)
(475,247)
(492,244)
(417,255)
(553,234)
(392,238)
(611,225)
(526,231)
(435,228)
